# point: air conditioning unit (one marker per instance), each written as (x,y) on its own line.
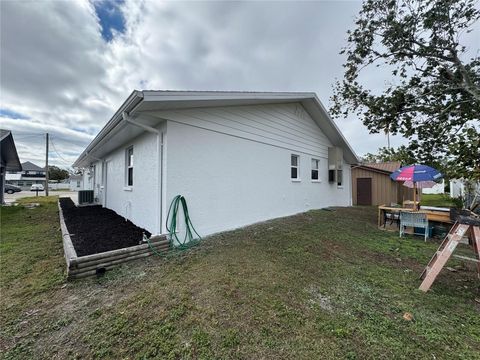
(85,197)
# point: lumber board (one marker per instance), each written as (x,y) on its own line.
(69,250)
(81,263)
(84,266)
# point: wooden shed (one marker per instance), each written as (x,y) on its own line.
(371,185)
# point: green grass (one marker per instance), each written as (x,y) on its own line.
(440,200)
(317,285)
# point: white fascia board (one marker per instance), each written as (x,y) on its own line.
(341,141)
(130,103)
(151,95)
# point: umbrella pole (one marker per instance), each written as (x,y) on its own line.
(414,196)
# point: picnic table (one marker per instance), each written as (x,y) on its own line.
(393,211)
(441,215)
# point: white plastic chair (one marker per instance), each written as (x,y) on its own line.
(415,220)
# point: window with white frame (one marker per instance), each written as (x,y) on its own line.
(315,167)
(129,166)
(339,177)
(295,167)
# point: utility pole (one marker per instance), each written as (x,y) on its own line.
(46,164)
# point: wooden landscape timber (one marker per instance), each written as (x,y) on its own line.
(88,265)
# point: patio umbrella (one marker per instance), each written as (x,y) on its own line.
(420,184)
(416,174)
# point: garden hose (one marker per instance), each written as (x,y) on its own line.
(171,224)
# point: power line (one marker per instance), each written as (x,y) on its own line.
(56,151)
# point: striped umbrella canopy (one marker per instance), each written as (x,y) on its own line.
(420,184)
(416,173)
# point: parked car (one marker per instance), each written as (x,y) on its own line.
(10,189)
(36,187)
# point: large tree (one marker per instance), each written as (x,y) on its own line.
(385,154)
(432,91)
(57,174)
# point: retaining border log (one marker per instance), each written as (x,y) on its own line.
(89,265)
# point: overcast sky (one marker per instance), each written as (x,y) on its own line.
(66,66)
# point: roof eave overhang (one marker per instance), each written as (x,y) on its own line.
(129,104)
(149,100)
(369,168)
(318,112)
(13,162)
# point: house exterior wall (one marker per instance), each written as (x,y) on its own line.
(107,178)
(25,179)
(233,165)
(286,126)
(26,183)
(76,183)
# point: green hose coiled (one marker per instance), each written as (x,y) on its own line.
(175,243)
(171,224)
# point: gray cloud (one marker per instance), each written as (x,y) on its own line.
(57,70)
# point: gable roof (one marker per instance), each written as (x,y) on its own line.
(29,166)
(8,152)
(149,100)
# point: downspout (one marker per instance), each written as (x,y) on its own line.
(127,118)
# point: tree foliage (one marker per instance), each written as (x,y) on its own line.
(404,155)
(432,96)
(57,174)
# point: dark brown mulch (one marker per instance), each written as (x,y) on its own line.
(94,229)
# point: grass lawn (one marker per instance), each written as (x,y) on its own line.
(324,284)
(440,200)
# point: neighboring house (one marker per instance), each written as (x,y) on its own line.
(76,182)
(436,189)
(9,160)
(372,185)
(30,174)
(237,157)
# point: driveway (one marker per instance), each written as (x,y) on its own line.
(10,198)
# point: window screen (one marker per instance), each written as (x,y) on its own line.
(295,166)
(315,167)
(129,163)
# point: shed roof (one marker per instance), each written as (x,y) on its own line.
(389,166)
(8,152)
(148,100)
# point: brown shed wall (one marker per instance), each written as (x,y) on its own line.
(384,190)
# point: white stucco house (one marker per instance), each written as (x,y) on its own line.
(237,157)
(75,182)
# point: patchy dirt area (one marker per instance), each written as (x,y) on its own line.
(317,285)
(94,229)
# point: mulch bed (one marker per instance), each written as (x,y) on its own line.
(94,229)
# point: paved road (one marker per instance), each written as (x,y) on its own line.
(9,198)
